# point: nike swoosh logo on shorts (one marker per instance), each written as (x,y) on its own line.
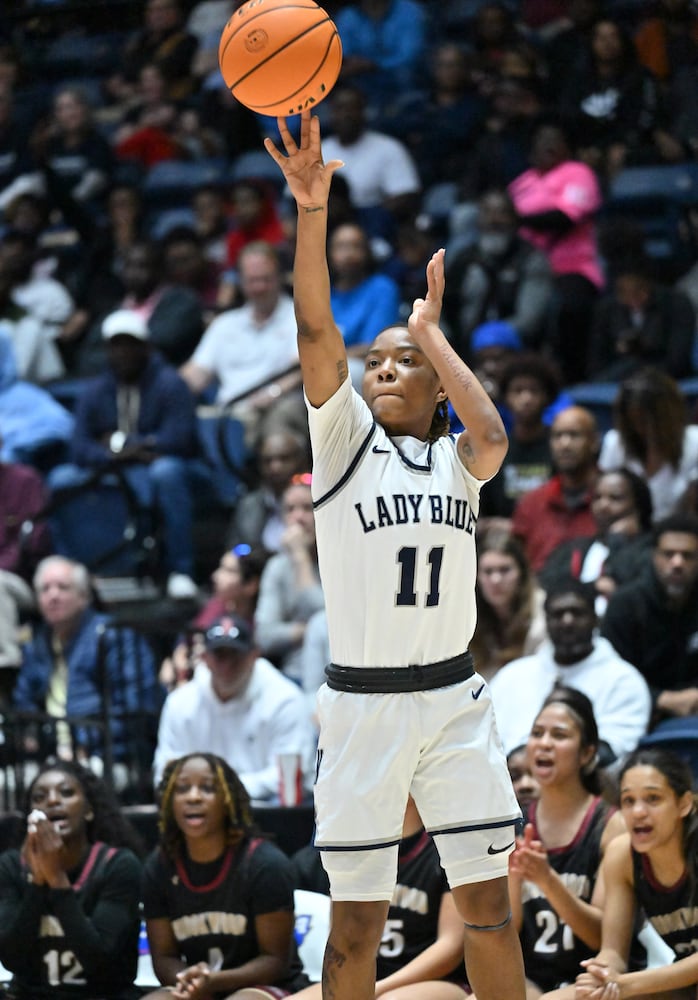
(380,451)
(476,694)
(499,850)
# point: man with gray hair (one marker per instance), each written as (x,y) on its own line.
(78,667)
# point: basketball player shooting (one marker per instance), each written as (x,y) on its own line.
(396,502)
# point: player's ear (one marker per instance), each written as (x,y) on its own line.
(441,395)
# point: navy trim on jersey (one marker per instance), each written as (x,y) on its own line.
(378,845)
(470,827)
(413,465)
(352,465)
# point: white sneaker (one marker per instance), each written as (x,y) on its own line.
(181,587)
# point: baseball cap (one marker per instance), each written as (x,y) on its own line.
(230,632)
(496,333)
(124,322)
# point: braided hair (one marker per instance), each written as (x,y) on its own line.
(440,422)
(238,811)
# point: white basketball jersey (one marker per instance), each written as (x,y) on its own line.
(395,523)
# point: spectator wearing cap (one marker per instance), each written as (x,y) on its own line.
(140,416)
(500,277)
(237,706)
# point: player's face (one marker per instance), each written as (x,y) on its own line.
(400,385)
(499,576)
(197,802)
(554,747)
(63,800)
(652,810)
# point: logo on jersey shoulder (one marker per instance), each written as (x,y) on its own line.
(380,451)
(499,850)
(476,694)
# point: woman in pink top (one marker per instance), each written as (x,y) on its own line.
(556,200)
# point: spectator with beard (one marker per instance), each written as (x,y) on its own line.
(653,621)
(561,508)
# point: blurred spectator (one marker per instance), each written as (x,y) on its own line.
(44,299)
(24,541)
(439,122)
(383,45)
(15,161)
(614,106)
(640,322)
(239,707)
(186,266)
(205,22)
(383,180)
(493,346)
(364,301)
(36,356)
(414,244)
(653,620)
(290,590)
(35,428)
(529,386)
(500,277)
(622,507)
(510,620)
(650,436)
(556,200)
(235,591)
(250,351)
(560,509)
(164,41)
(576,657)
(501,152)
(146,132)
(494,30)
(75,659)
(139,415)
(254,217)
(526,787)
(73,157)
(566,47)
(172,312)
(75,872)
(667,38)
(210,210)
(258,516)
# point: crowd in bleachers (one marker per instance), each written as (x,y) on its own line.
(153,428)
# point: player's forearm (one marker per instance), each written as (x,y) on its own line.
(435,962)
(468,397)
(583,918)
(664,979)
(311,277)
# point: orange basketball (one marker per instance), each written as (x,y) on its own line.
(280,57)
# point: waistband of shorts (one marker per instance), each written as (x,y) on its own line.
(388,680)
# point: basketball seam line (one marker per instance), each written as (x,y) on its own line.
(271,55)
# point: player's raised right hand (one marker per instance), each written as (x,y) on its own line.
(307,176)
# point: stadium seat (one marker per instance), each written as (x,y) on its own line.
(256,165)
(680,735)
(659,199)
(172,183)
(223,448)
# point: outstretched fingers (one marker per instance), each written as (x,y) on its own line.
(435,276)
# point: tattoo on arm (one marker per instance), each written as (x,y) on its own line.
(332,962)
(466,452)
(309,209)
(342,371)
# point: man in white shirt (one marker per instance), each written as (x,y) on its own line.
(253,346)
(575,656)
(383,180)
(239,707)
